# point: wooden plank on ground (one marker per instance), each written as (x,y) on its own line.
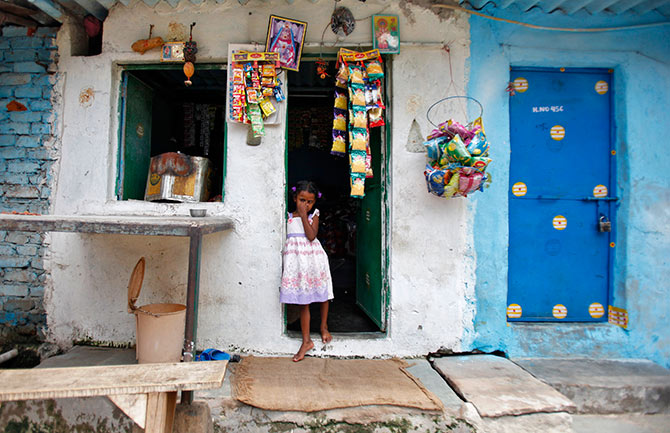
(43,383)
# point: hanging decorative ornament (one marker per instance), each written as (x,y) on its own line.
(190,49)
(189,69)
(321,68)
(342,22)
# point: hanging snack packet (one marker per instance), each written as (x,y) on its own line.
(357,95)
(478,146)
(340,99)
(374,69)
(455,150)
(339,143)
(252,95)
(340,119)
(342,76)
(358,185)
(267,107)
(479,162)
(451,189)
(368,163)
(434,147)
(359,139)
(476,126)
(435,180)
(279,93)
(356,75)
(376,118)
(360,119)
(456,128)
(470,183)
(238,76)
(268,70)
(256,119)
(357,161)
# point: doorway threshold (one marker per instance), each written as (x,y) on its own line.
(344,335)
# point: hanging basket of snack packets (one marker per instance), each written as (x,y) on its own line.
(458,156)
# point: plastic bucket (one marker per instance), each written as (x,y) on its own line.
(160,332)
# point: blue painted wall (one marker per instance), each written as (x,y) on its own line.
(641,62)
(27,77)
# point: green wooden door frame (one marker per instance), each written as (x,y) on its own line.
(384,186)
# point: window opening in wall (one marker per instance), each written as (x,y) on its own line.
(172,136)
(351,243)
(93,28)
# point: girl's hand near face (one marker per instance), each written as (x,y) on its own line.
(304,202)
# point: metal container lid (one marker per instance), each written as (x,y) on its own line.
(135,284)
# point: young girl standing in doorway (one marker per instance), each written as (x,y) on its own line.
(306,274)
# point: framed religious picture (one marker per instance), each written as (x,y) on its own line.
(172,52)
(286,37)
(386,33)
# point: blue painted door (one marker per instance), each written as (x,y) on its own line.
(561,187)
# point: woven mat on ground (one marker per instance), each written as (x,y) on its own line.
(315,384)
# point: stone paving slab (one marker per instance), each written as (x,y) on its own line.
(498,387)
(605,386)
(626,423)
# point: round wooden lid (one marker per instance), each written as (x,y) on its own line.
(135,284)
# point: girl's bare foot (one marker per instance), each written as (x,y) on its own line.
(305,347)
(325,336)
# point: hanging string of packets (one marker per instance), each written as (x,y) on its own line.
(458,159)
(358,107)
(254,85)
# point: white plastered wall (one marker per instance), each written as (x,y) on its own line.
(431,257)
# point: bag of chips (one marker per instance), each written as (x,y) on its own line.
(374,69)
(478,146)
(356,75)
(358,185)
(455,150)
(357,161)
(360,119)
(434,147)
(469,183)
(357,95)
(479,162)
(340,119)
(342,76)
(339,143)
(340,99)
(451,189)
(359,139)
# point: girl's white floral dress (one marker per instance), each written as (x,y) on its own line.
(306,275)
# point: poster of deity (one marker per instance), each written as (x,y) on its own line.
(286,37)
(386,33)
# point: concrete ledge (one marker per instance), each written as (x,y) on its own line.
(605,386)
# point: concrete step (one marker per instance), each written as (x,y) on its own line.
(605,386)
(621,423)
(506,397)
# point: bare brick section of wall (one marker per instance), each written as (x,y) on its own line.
(28,65)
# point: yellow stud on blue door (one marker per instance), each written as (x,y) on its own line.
(596,310)
(514,311)
(557,132)
(520,84)
(560,222)
(559,311)
(519,189)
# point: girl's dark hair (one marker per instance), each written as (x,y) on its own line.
(306,185)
